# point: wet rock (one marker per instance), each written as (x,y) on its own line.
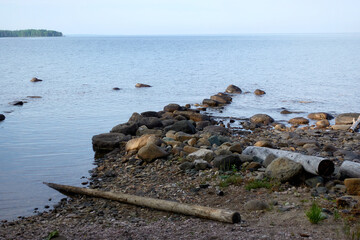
(352,186)
(346,118)
(116,89)
(137,143)
(183,126)
(262,119)
(254,205)
(35,80)
(2,117)
(226,162)
(141,85)
(193,115)
(298,121)
(259,92)
(201,164)
(204,154)
(107,142)
(150,152)
(172,107)
(320,116)
(219,99)
(283,169)
(125,128)
(322,123)
(187,166)
(210,102)
(233,89)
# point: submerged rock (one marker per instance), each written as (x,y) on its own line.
(116,89)
(142,85)
(35,80)
(17,103)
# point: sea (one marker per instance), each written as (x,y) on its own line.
(48,139)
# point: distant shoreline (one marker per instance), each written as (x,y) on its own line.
(30,33)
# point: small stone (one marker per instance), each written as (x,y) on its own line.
(314,181)
(259,92)
(204,154)
(261,118)
(352,186)
(253,205)
(35,80)
(116,89)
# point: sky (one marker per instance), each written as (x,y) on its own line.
(173,17)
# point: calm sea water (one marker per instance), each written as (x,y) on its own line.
(49,139)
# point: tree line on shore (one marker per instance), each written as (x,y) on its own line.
(30,33)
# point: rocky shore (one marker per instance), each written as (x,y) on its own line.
(183,154)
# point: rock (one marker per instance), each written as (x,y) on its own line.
(261,118)
(263,144)
(150,114)
(280,127)
(116,89)
(181,136)
(322,123)
(17,103)
(233,89)
(254,205)
(150,122)
(314,181)
(34,97)
(167,122)
(352,186)
(216,130)
(203,154)
(141,85)
(285,112)
(137,143)
(2,117)
(107,142)
(226,162)
(269,158)
(35,80)
(214,140)
(341,127)
(329,148)
(172,107)
(236,147)
(150,152)
(192,142)
(187,166)
(283,169)
(192,115)
(183,126)
(320,116)
(259,92)
(253,166)
(298,121)
(201,164)
(189,149)
(125,128)
(142,130)
(219,99)
(225,96)
(210,102)
(346,118)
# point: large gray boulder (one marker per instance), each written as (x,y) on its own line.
(346,118)
(283,169)
(107,142)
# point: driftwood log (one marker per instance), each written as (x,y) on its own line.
(315,165)
(350,169)
(355,124)
(221,215)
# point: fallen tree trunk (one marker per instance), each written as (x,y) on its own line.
(315,165)
(350,169)
(355,124)
(221,215)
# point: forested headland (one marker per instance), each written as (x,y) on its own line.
(30,33)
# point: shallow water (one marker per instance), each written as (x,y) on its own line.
(49,139)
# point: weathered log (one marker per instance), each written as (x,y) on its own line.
(350,169)
(355,124)
(221,215)
(315,165)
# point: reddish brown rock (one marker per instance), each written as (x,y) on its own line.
(298,121)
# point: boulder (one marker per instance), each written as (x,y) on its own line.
(225,96)
(201,164)
(142,130)
(254,205)
(210,102)
(233,89)
(172,107)
(320,116)
(259,92)
(298,121)
(220,99)
(212,129)
(226,162)
(352,186)
(283,169)
(107,142)
(236,147)
(181,136)
(193,115)
(262,119)
(150,152)
(346,118)
(269,159)
(203,154)
(125,128)
(322,123)
(35,80)
(183,126)
(2,117)
(141,85)
(202,124)
(150,114)
(149,122)
(167,122)
(187,166)
(137,143)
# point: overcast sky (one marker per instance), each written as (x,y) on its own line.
(143,17)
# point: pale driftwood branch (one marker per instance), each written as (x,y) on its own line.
(355,124)
(221,215)
(350,169)
(315,165)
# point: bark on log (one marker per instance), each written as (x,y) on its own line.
(355,124)
(221,215)
(350,169)
(315,165)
